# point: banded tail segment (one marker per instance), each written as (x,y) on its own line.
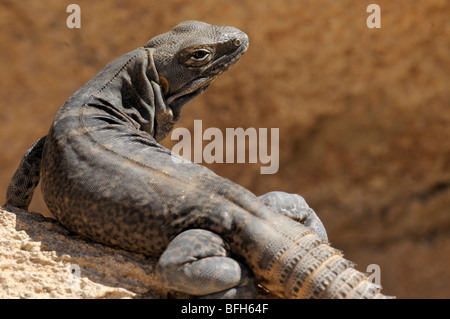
(294,262)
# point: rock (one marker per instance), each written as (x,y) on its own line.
(41,259)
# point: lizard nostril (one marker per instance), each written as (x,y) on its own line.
(237,42)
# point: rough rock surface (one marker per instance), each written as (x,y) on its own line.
(363,113)
(40,259)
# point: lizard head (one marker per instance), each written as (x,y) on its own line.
(190,56)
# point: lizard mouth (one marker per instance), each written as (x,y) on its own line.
(204,80)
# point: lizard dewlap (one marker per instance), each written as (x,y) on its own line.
(105,176)
(164,84)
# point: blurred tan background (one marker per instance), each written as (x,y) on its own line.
(364,114)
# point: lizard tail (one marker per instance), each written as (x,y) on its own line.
(322,272)
(26,178)
(294,262)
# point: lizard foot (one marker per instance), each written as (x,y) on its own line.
(294,206)
(197,263)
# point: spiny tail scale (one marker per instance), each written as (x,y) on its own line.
(292,261)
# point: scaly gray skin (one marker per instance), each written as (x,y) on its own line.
(105,177)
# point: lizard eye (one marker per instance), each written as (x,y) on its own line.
(200,55)
(195,57)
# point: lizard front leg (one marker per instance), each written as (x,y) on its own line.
(197,263)
(294,206)
(26,178)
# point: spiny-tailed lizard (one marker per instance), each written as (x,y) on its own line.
(105,176)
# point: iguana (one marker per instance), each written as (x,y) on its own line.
(104,176)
